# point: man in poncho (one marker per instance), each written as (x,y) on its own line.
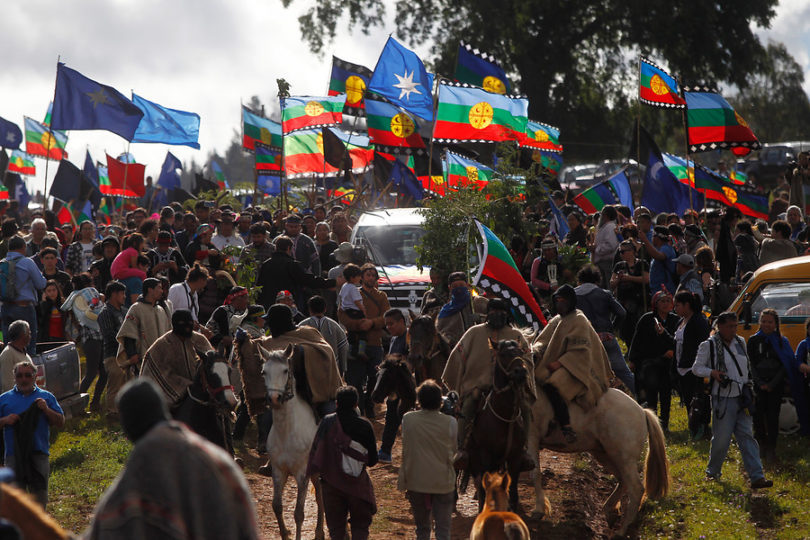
(173,360)
(470,366)
(571,364)
(146,320)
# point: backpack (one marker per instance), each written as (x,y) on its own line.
(8,279)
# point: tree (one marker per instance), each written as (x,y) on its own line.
(774,103)
(570,57)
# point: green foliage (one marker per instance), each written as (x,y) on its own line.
(245,271)
(572,258)
(576,61)
(221,197)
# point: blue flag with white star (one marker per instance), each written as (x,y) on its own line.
(83,104)
(163,125)
(10,134)
(401,77)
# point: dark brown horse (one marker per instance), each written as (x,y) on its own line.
(428,351)
(394,378)
(499,433)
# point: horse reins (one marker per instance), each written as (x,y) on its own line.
(286,392)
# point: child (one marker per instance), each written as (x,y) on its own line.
(125,267)
(351,303)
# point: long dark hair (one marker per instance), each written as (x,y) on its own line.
(772,312)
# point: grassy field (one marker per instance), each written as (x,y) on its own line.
(88,453)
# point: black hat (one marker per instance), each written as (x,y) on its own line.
(141,405)
(280,319)
(567,292)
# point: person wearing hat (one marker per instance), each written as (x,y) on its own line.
(286,298)
(243,226)
(186,234)
(226,236)
(547,269)
(201,250)
(662,255)
(571,365)
(688,276)
(227,317)
(259,247)
(252,392)
(304,250)
(146,320)
(694,239)
(166,261)
(630,280)
(282,272)
(469,369)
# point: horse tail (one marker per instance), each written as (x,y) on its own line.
(656,466)
(516,530)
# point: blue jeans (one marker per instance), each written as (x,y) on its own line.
(28,314)
(619,366)
(738,422)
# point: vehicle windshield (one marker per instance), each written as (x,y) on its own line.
(391,244)
(791,300)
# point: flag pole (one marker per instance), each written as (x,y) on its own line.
(126,170)
(638,133)
(432,133)
(50,136)
(688,177)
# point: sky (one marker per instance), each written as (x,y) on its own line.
(204,56)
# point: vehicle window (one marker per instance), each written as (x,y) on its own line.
(391,245)
(790,300)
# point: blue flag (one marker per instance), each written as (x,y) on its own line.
(663,192)
(10,134)
(20,191)
(405,179)
(270,184)
(91,173)
(81,103)
(163,125)
(169,178)
(559,224)
(401,77)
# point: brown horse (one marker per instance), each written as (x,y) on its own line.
(428,351)
(495,522)
(499,433)
(21,510)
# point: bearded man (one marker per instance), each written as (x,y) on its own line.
(571,363)
(173,360)
(470,366)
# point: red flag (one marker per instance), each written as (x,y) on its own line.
(126,179)
(64,216)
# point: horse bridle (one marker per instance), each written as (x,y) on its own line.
(504,370)
(211,391)
(286,392)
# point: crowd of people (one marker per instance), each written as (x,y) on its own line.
(151,295)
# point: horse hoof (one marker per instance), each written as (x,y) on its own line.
(537,516)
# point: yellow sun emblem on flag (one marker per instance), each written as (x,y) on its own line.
(402,125)
(740,119)
(438,180)
(313,108)
(48,141)
(19,162)
(472,174)
(541,136)
(319,141)
(481,115)
(658,86)
(730,194)
(265,135)
(494,85)
(355,86)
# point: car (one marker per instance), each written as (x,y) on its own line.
(390,237)
(765,166)
(578,177)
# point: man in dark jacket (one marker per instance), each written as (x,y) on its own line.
(281,272)
(605,314)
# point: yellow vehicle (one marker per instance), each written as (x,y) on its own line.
(784,286)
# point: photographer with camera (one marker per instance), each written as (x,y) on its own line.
(723,358)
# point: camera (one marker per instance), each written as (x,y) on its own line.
(724,380)
(449,403)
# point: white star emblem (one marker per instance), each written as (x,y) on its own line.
(99,97)
(407,85)
(10,137)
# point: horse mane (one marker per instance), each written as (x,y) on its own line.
(19,508)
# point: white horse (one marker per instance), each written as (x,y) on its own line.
(290,438)
(614,432)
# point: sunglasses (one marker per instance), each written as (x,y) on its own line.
(25,375)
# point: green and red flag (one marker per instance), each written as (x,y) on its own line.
(302,112)
(39,141)
(712,123)
(549,160)
(391,126)
(21,163)
(744,198)
(480,69)
(258,129)
(222,182)
(104,185)
(614,190)
(4,193)
(657,87)
(498,275)
(268,159)
(469,114)
(352,80)
(460,171)
(303,154)
(65,215)
(541,136)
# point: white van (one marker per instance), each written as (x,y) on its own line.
(390,237)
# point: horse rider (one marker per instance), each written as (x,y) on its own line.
(227,317)
(571,364)
(172,361)
(459,314)
(469,371)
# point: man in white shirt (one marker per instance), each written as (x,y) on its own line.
(225,235)
(183,295)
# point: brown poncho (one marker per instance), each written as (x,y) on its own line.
(172,363)
(585,373)
(144,323)
(319,360)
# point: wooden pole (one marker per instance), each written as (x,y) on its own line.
(50,137)
(689,178)
(432,132)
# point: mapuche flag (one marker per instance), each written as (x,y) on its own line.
(268,159)
(21,163)
(460,171)
(219,175)
(744,198)
(614,190)
(498,274)
(302,112)
(352,80)
(258,129)
(480,69)
(391,126)
(472,114)
(656,87)
(126,179)
(542,137)
(712,123)
(550,161)
(39,141)
(104,185)
(303,154)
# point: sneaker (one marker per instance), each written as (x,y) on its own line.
(761,483)
(383,457)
